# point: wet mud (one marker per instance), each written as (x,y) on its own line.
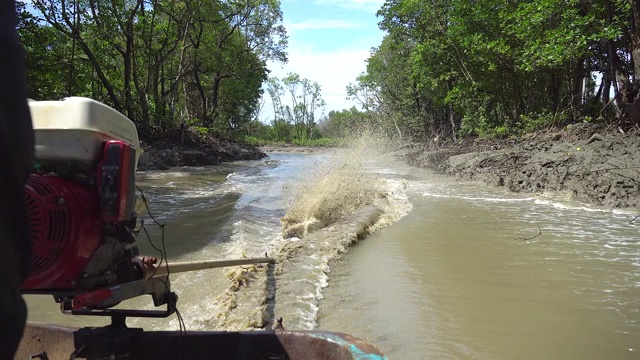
(595,164)
(191,149)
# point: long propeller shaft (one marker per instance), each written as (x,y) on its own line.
(184,266)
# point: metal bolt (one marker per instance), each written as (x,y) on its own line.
(60,201)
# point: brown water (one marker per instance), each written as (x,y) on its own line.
(455,279)
(446,274)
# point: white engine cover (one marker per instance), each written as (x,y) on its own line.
(74,129)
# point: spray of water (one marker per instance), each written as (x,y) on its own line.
(339,202)
(334,190)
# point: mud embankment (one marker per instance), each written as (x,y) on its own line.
(594,164)
(191,149)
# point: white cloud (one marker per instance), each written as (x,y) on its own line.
(323,24)
(333,59)
(332,70)
(368,5)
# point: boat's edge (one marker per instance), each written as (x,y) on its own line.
(59,342)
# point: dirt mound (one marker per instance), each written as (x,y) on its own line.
(596,164)
(171,149)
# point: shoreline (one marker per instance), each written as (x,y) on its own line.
(178,149)
(594,164)
(296,149)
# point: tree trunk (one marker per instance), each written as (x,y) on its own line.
(103,78)
(635,39)
(575,79)
(215,94)
(553,92)
(128,64)
(204,106)
(452,120)
(631,92)
(162,108)
(142,96)
(156,88)
(606,82)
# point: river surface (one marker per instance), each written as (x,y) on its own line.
(448,269)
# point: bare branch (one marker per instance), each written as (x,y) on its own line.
(532,237)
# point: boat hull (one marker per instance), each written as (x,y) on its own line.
(55,342)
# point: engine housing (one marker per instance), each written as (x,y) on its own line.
(66,229)
(81,196)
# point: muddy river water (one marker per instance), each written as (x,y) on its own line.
(449,270)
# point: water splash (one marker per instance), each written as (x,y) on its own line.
(333,190)
(337,201)
(337,204)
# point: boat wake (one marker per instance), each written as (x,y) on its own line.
(303,212)
(332,208)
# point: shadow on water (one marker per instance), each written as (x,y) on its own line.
(193,230)
(269,313)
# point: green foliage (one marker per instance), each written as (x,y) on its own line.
(160,62)
(46,49)
(342,123)
(298,118)
(323,142)
(496,68)
(252,140)
(533,122)
(200,130)
(500,132)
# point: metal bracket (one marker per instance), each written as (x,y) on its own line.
(99,301)
(109,342)
(41,355)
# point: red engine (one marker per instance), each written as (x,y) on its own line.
(81,224)
(66,229)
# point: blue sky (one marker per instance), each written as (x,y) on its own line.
(329,42)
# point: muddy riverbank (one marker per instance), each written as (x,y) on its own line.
(595,164)
(164,151)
